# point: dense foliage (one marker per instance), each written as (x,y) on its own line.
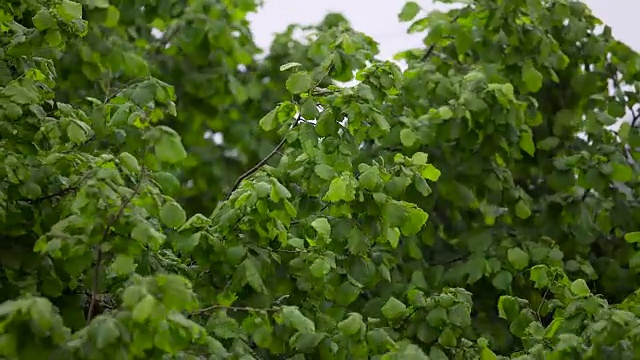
(179,196)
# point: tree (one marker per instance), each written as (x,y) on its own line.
(474,205)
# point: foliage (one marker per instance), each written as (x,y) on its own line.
(472,206)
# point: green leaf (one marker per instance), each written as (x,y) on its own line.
(290,65)
(526,143)
(621,172)
(320,267)
(430,172)
(298,83)
(502,280)
(322,226)
(460,315)
(351,325)
(539,276)
(169,149)
(408,137)
(76,133)
(522,210)
(438,317)
(532,78)
(294,318)
(106,332)
(518,258)
(69,10)
(448,338)
(129,162)
(393,308)
(143,310)
(172,214)
(43,20)
(579,287)
(409,11)
(269,121)
(338,191)
(252,274)
(414,220)
(325,171)
(632,237)
(123,265)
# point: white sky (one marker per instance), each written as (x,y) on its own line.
(379,19)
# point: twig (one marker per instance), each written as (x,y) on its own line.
(430,49)
(65,190)
(233,308)
(261,163)
(105,234)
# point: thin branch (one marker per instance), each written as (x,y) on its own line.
(105,234)
(261,163)
(66,190)
(432,46)
(233,308)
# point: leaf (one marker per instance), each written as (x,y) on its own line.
(294,318)
(338,191)
(409,11)
(460,315)
(290,65)
(144,309)
(430,172)
(414,220)
(69,10)
(123,265)
(129,162)
(393,308)
(437,317)
(269,121)
(320,267)
(252,274)
(448,338)
(325,171)
(43,20)
(526,143)
(522,210)
(518,258)
(632,237)
(76,133)
(169,149)
(351,325)
(539,276)
(172,214)
(322,226)
(408,137)
(502,280)
(532,78)
(579,287)
(106,332)
(298,83)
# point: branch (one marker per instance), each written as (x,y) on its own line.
(432,46)
(65,190)
(261,163)
(233,308)
(105,234)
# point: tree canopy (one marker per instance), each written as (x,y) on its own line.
(169,192)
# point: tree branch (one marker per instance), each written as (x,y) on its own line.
(262,162)
(430,49)
(105,234)
(233,308)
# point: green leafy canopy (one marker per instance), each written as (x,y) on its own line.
(180,196)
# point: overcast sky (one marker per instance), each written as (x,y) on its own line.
(379,19)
